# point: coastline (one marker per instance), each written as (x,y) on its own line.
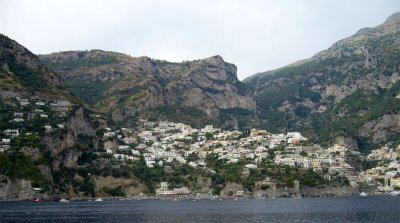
(196,197)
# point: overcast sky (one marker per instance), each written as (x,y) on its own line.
(256,35)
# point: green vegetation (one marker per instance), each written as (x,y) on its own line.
(87,187)
(236,112)
(243,88)
(90,92)
(115,192)
(303,153)
(30,79)
(264,187)
(84,61)
(302,112)
(18,166)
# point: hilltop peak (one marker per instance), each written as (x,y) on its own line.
(217,59)
(393,18)
(25,67)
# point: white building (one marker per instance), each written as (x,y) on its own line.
(12,132)
(165,191)
(251,166)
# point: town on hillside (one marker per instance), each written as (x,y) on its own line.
(168,144)
(171,158)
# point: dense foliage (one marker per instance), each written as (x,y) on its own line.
(18,166)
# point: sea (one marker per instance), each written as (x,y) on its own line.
(338,209)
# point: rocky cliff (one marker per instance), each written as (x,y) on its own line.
(339,90)
(193,91)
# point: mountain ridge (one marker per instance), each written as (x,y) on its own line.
(206,87)
(320,88)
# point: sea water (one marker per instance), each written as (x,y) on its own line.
(340,209)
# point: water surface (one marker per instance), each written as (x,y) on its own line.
(341,209)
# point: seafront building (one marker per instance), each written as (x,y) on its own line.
(165,191)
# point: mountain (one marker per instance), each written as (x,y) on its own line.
(345,94)
(195,92)
(21,71)
(46,133)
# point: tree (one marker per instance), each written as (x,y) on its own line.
(303,153)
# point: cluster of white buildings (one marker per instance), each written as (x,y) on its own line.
(170,144)
(386,174)
(31,108)
(332,159)
(61,107)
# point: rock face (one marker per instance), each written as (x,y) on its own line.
(337,90)
(127,86)
(231,189)
(346,140)
(15,189)
(79,124)
(58,145)
(381,129)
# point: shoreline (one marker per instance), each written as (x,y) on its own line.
(194,197)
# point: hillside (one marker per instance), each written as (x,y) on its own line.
(48,137)
(194,92)
(347,93)
(21,71)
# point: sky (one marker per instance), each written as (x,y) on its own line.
(255,35)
